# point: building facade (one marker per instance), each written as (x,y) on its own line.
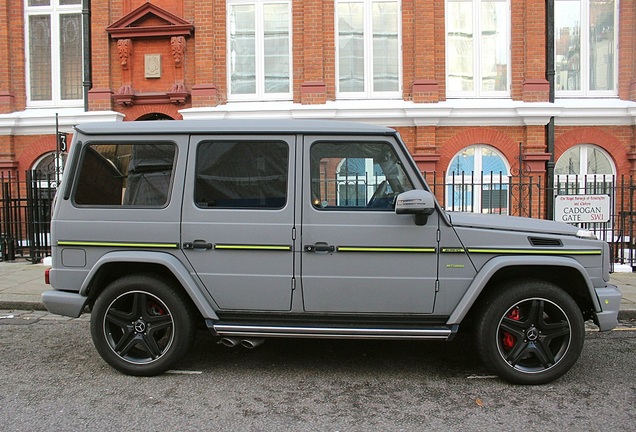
(480,90)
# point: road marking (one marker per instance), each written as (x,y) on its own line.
(482,376)
(184,372)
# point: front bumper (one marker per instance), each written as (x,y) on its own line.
(609,298)
(64,303)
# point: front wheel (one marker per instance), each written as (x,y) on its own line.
(141,325)
(530,333)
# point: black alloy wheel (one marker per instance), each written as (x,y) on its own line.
(141,325)
(530,333)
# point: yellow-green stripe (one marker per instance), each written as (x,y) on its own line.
(118,244)
(384,249)
(536,251)
(252,247)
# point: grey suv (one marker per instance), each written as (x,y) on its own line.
(318,229)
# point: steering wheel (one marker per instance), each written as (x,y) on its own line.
(378,196)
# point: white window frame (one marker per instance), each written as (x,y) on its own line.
(54,10)
(259,67)
(585,55)
(477,92)
(368,92)
(581,180)
(475,180)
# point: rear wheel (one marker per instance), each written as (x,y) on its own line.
(141,325)
(530,333)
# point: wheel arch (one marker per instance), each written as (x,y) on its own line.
(566,273)
(114,265)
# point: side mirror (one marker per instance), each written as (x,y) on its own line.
(417,202)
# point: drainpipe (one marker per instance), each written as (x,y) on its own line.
(86,39)
(549,129)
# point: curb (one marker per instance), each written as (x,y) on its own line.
(22,305)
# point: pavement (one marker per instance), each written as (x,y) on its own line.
(22,284)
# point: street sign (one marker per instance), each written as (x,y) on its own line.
(582,208)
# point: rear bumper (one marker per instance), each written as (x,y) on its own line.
(64,303)
(609,298)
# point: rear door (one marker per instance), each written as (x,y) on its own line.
(238,219)
(358,255)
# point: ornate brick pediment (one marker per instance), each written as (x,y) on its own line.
(153,26)
(147,21)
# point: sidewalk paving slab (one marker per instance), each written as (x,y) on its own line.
(22,284)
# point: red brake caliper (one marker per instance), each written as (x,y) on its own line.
(155,309)
(509,340)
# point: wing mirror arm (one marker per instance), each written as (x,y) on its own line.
(417,202)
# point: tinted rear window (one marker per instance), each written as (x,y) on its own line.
(126,175)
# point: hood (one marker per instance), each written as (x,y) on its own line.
(511,223)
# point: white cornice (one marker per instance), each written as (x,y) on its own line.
(42,121)
(464,112)
(595,112)
(454,112)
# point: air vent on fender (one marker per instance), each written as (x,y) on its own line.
(543,241)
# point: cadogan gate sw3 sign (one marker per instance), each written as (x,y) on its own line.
(582,208)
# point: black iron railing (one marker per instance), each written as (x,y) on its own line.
(25,216)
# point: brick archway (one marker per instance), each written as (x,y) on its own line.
(137,112)
(598,137)
(35,151)
(500,141)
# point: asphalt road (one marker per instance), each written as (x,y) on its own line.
(52,379)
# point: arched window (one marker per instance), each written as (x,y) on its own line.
(584,169)
(49,169)
(477,181)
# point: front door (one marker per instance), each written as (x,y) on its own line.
(358,255)
(238,218)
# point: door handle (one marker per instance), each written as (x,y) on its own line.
(320,247)
(198,244)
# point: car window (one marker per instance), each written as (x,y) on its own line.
(356,175)
(241,174)
(127,175)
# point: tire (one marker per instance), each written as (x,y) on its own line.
(141,324)
(530,333)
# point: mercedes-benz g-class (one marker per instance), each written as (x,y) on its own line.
(317,229)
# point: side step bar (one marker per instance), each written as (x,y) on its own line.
(433,333)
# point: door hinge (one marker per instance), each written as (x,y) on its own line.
(439,235)
(437,286)
(294,233)
(293,284)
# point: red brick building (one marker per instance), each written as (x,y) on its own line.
(472,85)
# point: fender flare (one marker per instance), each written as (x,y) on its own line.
(494,265)
(195,290)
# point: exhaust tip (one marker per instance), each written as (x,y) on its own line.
(252,343)
(229,342)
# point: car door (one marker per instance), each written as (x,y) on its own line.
(238,218)
(358,255)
